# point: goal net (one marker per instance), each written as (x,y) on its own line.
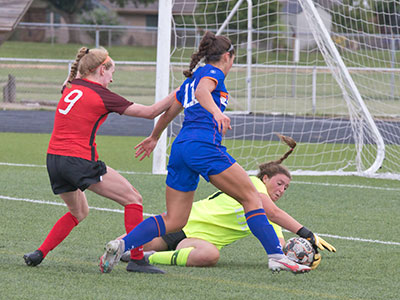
(324,72)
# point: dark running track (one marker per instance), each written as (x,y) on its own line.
(251,127)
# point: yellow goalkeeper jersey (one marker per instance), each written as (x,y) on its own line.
(220,219)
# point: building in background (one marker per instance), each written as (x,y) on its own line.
(142,21)
(299,31)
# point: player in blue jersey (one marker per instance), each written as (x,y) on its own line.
(218,221)
(197,150)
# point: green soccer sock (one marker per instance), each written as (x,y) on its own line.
(177,257)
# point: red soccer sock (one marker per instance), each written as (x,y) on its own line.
(58,233)
(134,216)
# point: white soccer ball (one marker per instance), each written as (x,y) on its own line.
(299,250)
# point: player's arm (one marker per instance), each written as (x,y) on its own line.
(203,95)
(282,218)
(279,216)
(147,145)
(151,111)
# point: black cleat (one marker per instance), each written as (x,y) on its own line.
(126,257)
(34,258)
(142,266)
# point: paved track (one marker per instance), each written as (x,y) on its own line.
(248,126)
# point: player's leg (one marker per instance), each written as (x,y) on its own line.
(157,244)
(116,187)
(190,252)
(235,182)
(77,204)
(78,209)
(178,207)
(176,249)
(203,253)
(181,184)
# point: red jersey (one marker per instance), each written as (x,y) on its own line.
(80,112)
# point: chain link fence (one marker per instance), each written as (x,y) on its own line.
(37,82)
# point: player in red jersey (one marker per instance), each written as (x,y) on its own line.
(72,159)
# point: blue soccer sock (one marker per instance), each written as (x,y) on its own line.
(143,233)
(263,230)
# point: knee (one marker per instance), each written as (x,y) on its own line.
(273,213)
(208,258)
(81,215)
(134,197)
(173,224)
(251,202)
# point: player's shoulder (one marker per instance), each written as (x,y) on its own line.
(215,71)
(259,185)
(209,71)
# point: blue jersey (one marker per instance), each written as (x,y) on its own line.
(199,124)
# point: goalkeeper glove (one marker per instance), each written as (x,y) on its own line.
(316,241)
(316,261)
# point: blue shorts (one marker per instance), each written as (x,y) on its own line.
(188,160)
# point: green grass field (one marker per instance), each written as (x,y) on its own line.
(359,216)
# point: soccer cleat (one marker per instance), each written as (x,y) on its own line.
(142,266)
(147,254)
(286,264)
(126,257)
(112,255)
(34,258)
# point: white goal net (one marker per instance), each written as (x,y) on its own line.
(324,72)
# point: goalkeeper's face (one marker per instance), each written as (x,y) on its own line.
(276,185)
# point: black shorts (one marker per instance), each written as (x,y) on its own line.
(173,239)
(67,174)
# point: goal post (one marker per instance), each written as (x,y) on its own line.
(349,88)
(323,72)
(162,78)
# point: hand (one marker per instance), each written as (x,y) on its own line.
(223,121)
(145,147)
(316,261)
(321,243)
(315,240)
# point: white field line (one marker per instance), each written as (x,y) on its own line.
(146,214)
(292,182)
(62,204)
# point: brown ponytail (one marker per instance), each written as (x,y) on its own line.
(273,168)
(211,49)
(74,66)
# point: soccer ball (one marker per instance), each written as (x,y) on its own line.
(299,250)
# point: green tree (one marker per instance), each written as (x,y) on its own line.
(99,16)
(210,16)
(388,16)
(70,10)
(353,16)
(264,14)
(122,3)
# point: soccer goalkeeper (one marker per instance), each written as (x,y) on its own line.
(219,220)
